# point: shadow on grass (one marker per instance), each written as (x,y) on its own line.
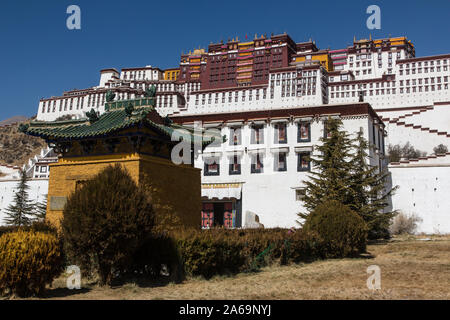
(379,242)
(366,255)
(143,282)
(63,292)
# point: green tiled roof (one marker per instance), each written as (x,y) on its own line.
(107,123)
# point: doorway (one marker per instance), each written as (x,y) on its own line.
(218,214)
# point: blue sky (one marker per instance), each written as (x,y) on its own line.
(40,57)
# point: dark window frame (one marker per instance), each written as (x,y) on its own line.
(301,192)
(277,133)
(231,164)
(253,168)
(300,155)
(239,135)
(206,171)
(325,129)
(260,128)
(277,162)
(299,136)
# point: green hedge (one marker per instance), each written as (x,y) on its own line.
(220,251)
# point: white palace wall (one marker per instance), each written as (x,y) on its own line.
(272,194)
(423,191)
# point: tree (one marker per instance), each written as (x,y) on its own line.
(344,175)
(440,149)
(409,152)
(106,221)
(331,176)
(40,210)
(19,213)
(369,191)
(397,152)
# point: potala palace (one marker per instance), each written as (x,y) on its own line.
(270,97)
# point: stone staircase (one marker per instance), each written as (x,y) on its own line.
(407,115)
(434,159)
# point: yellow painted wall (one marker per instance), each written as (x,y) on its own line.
(175,186)
(171,74)
(394,41)
(324,59)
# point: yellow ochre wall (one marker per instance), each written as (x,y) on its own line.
(176,186)
(171,74)
(324,59)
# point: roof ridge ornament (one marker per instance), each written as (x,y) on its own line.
(92,116)
(129,109)
(167,121)
(110,96)
(150,92)
(23,127)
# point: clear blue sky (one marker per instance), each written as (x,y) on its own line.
(40,57)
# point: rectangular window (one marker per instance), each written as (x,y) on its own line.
(304,162)
(235,136)
(300,194)
(257,165)
(326,133)
(212,167)
(304,132)
(257,134)
(280,133)
(235,165)
(280,163)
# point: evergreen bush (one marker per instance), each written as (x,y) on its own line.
(105,222)
(28,261)
(342,229)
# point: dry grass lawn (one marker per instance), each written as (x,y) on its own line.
(410,269)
